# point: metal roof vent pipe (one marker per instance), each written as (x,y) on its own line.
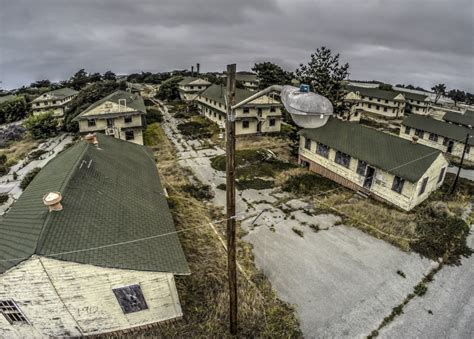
(91,138)
(53,201)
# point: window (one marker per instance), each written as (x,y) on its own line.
(377,107)
(433,137)
(11,312)
(307,143)
(378,99)
(272,109)
(423,186)
(272,122)
(397,185)
(370,98)
(322,150)
(407,130)
(419,133)
(386,101)
(441,174)
(130,298)
(369,106)
(385,109)
(54,102)
(445,141)
(90,122)
(127,119)
(245,124)
(129,135)
(361,167)
(342,159)
(259,110)
(247,110)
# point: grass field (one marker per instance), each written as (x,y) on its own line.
(203,294)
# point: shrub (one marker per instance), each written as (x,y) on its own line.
(195,129)
(13,110)
(169,89)
(222,187)
(420,289)
(441,237)
(153,115)
(308,184)
(11,133)
(3,198)
(199,191)
(42,126)
(254,183)
(29,177)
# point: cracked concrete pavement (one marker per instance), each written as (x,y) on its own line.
(341,281)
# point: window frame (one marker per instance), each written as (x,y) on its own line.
(246,110)
(127,135)
(407,129)
(12,313)
(424,183)
(419,133)
(441,174)
(433,137)
(342,159)
(91,123)
(245,124)
(126,118)
(361,167)
(307,144)
(398,184)
(272,122)
(322,150)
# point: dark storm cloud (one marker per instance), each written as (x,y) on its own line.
(419,42)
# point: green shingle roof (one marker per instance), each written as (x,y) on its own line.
(466,119)
(132,100)
(218,93)
(374,92)
(442,128)
(188,80)
(414,96)
(387,152)
(111,194)
(59,93)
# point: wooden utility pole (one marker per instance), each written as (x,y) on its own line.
(230,202)
(460,164)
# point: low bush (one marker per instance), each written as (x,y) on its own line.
(298,231)
(253,164)
(153,115)
(195,129)
(29,177)
(255,183)
(11,133)
(420,289)
(3,198)
(308,184)
(199,191)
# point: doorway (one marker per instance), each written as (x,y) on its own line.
(369,177)
(450,146)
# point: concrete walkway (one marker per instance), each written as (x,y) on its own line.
(11,186)
(342,281)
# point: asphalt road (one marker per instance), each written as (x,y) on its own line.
(447,309)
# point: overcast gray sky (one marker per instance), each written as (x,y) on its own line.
(421,42)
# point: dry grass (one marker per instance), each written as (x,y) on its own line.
(19,149)
(203,294)
(281,147)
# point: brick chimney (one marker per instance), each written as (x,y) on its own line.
(53,201)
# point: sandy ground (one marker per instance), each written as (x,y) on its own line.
(342,281)
(8,185)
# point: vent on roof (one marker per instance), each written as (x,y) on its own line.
(53,201)
(130,298)
(91,138)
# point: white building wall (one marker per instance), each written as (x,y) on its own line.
(77,299)
(382,183)
(458,147)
